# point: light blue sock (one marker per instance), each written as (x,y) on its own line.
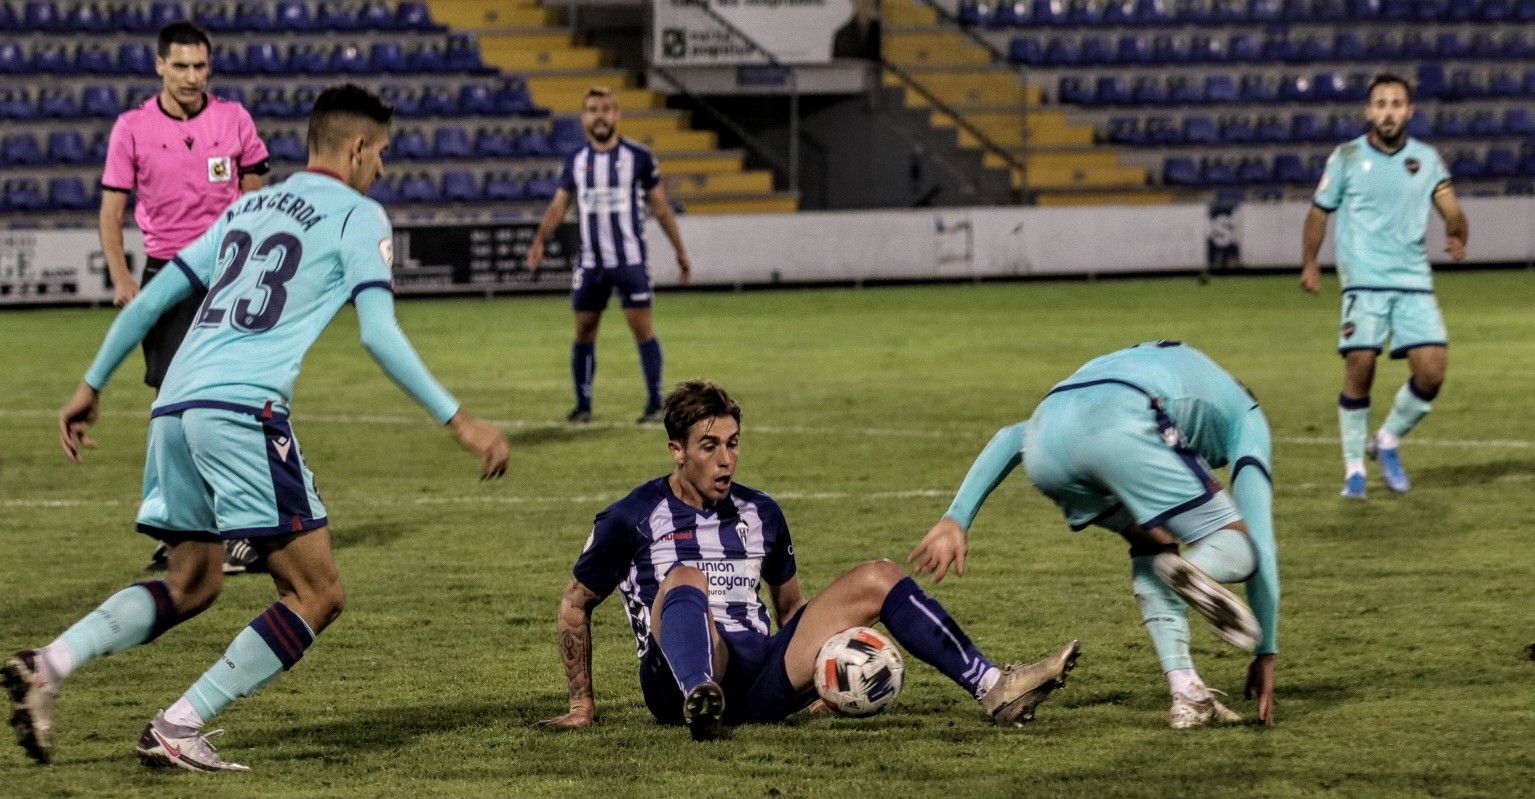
(135,615)
(270,645)
(1226,555)
(1412,404)
(1165,614)
(1353,426)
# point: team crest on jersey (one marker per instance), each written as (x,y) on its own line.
(1348,329)
(1412,165)
(219,170)
(386,251)
(742,529)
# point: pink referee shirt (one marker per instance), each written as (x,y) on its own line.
(184,171)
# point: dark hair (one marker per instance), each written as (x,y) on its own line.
(338,104)
(693,400)
(182,32)
(1388,79)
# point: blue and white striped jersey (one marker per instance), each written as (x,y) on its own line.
(609,189)
(742,543)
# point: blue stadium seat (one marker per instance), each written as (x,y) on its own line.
(1518,121)
(426,58)
(1382,45)
(1244,47)
(1025,50)
(1496,11)
(1206,50)
(1169,50)
(1465,165)
(1277,47)
(233,94)
(1149,90)
(512,98)
(8,19)
(348,59)
(1161,130)
(1272,128)
(225,62)
(459,185)
(66,147)
(307,59)
(20,149)
(1184,90)
(1094,50)
(1125,130)
(1179,170)
(1502,162)
(68,193)
(164,12)
(17,103)
(1305,127)
(12,60)
(1465,85)
(1524,11)
(101,101)
(542,186)
(1295,88)
(1288,168)
(1254,171)
(495,143)
(1345,126)
(42,15)
(438,101)
(384,191)
(1217,172)
(1431,10)
(476,98)
(337,16)
(1308,49)
(412,15)
(1200,129)
(1485,45)
(51,59)
(1072,90)
(1110,90)
(1220,89)
(1420,127)
(1047,12)
(452,142)
(1330,11)
(1432,83)
(1152,12)
(1238,130)
(405,101)
(303,99)
(272,101)
(294,15)
(1348,46)
(1449,125)
(99,147)
(87,18)
(1229,11)
(1132,50)
(971,14)
(264,58)
(1364,9)
(57,103)
(1328,87)
(1449,44)
(252,17)
(1258,89)
(1265,11)
(417,188)
(504,187)
(1416,45)
(287,146)
(410,144)
(565,135)
(1484,124)
(1118,13)
(217,17)
(1194,12)
(387,56)
(1062,52)
(128,17)
(1295,10)
(375,15)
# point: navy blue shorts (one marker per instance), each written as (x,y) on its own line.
(590,288)
(756,684)
(164,338)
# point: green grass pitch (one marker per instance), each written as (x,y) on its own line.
(1404,620)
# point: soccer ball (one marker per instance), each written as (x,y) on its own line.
(858,672)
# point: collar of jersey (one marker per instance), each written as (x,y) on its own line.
(207,101)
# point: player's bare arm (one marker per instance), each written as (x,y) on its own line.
(552,218)
(1311,243)
(1456,228)
(788,598)
(575,628)
(251,182)
(661,208)
(75,418)
(945,545)
(110,226)
(1260,686)
(483,439)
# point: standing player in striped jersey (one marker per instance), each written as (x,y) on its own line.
(223,461)
(609,178)
(1382,185)
(689,551)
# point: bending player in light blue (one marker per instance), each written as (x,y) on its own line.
(1127,443)
(1382,185)
(222,461)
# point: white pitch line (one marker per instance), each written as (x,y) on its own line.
(892,432)
(579,499)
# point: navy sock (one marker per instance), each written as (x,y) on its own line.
(650,364)
(583,367)
(685,640)
(926,630)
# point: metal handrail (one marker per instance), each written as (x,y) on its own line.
(756,145)
(986,143)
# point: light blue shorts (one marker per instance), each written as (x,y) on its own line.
(1408,318)
(1107,456)
(218,470)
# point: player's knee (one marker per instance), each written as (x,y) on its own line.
(328,603)
(877,577)
(685,575)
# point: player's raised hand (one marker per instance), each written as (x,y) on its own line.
(1311,277)
(575,719)
(75,418)
(483,439)
(1456,247)
(1260,685)
(944,545)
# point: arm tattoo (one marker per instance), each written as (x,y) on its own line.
(577,651)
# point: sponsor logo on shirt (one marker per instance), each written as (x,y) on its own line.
(605,200)
(678,535)
(220,169)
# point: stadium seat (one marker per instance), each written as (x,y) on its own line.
(417,188)
(1271,128)
(1094,50)
(128,17)
(1217,172)
(504,187)
(214,16)
(384,191)
(459,185)
(1503,83)
(1045,12)
(1348,46)
(1328,87)
(375,15)
(233,94)
(1200,129)
(348,59)
(337,17)
(1025,50)
(263,58)
(1432,83)
(1238,130)
(451,141)
(12,60)
(306,59)
(387,56)
(93,59)
(1305,127)
(1449,44)
(1258,89)
(1346,126)
(1151,12)
(271,101)
(1162,130)
(252,17)
(1125,130)
(1179,170)
(99,147)
(476,98)
(1420,126)
(101,101)
(438,101)
(1465,85)
(1416,45)
(1184,90)
(534,143)
(17,103)
(1149,91)
(1449,125)
(1132,49)
(1169,50)
(66,147)
(57,103)
(1062,52)
(565,135)
(1518,121)
(1496,11)
(287,146)
(410,144)
(495,143)
(1309,49)
(1295,88)
(42,15)
(971,15)
(1220,89)
(412,15)
(1288,168)
(426,58)
(406,102)
(1502,162)
(8,19)
(294,15)
(1206,50)
(1254,171)
(1330,11)
(1244,47)
(164,12)
(51,59)
(68,193)
(542,186)
(512,98)
(1117,13)
(1110,90)
(1383,46)
(1072,90)
(20,149)
(24,194)
(1484,124)
(1464,165)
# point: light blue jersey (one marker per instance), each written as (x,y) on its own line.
(1383,201)
(277,265)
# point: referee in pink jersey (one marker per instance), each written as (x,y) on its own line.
(186,155)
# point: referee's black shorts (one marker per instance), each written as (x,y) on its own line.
(165,337)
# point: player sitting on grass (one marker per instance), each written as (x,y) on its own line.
(1127,443)
(689,551)
(222,460)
